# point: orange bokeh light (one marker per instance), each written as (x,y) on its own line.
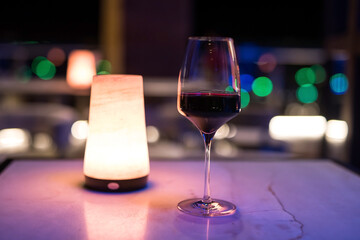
(81,69)
(267,62)
(56,56)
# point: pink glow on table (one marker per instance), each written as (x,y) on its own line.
(275,200)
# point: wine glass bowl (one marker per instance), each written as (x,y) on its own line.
(209,96)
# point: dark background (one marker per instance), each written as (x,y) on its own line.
(281,23)
(49,21)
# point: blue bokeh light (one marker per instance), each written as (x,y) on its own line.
(339,83)
(246,81)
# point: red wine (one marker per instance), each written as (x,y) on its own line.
(209,111)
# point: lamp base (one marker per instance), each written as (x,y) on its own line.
(115,185)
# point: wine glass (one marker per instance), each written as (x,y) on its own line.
(208,96)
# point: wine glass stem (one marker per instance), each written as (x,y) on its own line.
(207,141)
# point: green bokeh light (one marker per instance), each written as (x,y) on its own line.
(229,89)
(26,42)
(307,93)
(262,86)
(43,68)
(305,76)
(320,73)
(245,98)
(35,62)
(24,74)
(103,67)
(102,72)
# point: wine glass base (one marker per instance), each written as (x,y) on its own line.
(215,208)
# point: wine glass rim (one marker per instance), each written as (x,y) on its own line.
(208,38)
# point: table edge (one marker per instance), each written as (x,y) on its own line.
(8,161)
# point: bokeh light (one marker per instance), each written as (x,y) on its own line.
(336,131)
(43,68)
(224,148)
(35,62)
(153,134)
(81,69)
(249,52)
(267,62)
(57,56)
(80,129)
(307,93)
(297,127)
(305,76)
(229,89)
(302,109)
(24,74)
(262,86)
(233,130)
(42,141)
(246,82)
(103,67)
(245,98)
(222,132)
(320,73)
(339,83)
(14,139)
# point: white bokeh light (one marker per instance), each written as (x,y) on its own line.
(336,131)
(153,134)
(14,139)
(222,132)
(297,127)
(80,129)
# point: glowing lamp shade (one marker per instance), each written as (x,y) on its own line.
(81,69)
(116,154)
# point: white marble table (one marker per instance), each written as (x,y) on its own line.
(276,200)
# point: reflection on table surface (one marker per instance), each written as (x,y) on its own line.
(285,199)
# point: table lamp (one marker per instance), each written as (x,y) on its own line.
(81,69)
(116,154)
